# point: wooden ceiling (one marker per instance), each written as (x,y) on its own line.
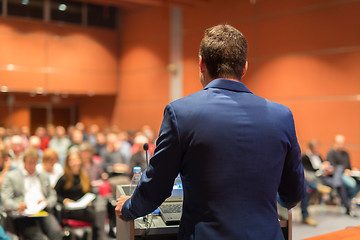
(146,3)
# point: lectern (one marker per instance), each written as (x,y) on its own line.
(152,227)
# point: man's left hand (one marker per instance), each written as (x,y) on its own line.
(119,204)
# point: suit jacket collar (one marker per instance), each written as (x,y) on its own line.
(228,85)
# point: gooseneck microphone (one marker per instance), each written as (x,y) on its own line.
(146,148)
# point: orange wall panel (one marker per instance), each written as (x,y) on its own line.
(22,49)
(96,110)
(22,80)
(311,30)
(86,59)
(308,75)
(143,89)
(83,82)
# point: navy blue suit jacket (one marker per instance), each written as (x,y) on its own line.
(235,151)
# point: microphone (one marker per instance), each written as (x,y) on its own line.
(146,148)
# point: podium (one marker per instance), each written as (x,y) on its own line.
(152,227)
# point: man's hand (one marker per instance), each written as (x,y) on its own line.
(119,204)
(22,206)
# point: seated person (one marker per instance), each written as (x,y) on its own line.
(340,160)
(114,164)
(315,170)
(73,185)
(92,168)
(95,172)
(25,188)
(112,159)
(139,157)
(5,163)
(50,166)
(5,166)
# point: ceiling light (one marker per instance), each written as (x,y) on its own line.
(62,7)
(10,67)
(4,89)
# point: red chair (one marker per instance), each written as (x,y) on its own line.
(76,228)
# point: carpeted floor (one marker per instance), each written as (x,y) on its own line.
(330,219)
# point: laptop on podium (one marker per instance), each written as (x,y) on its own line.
(171,208)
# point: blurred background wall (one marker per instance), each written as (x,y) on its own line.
(302,53)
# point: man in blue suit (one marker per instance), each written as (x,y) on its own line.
(235,152)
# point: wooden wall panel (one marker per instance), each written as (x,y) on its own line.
(309,75)
(143,76)
(67,58)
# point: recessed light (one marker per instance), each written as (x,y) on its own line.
(62,7)
(4,89)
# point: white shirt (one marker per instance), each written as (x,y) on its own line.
(53,176)
(33,191)
(314,160)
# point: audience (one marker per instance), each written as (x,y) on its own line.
(23,190)
(107,159)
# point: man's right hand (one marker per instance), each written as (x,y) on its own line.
(22,206)
(119,204)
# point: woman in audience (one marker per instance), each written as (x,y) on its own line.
(50,166)
(73,185)
(93,168)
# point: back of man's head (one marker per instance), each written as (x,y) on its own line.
(224,51)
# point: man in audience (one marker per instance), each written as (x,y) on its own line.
(139,158)
(60,143)
(42,134)
(35,142)
(315,170)
(112,159)
(124,147)
(340,159)
(24,190)
(17,151)
(92,130)
(100,143)
(5,164)
(77,138)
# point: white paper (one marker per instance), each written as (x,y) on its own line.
(81,203)
(35,208)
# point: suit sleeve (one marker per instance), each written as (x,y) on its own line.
(157,180)
(8,194)
(292,186)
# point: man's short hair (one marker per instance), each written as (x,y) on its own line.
(31,153)
(224,51)
(312,143)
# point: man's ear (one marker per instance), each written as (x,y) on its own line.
(202,65)
(245,69)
